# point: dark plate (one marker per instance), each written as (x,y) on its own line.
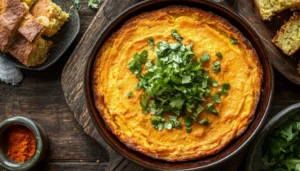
(61,41)
(254,161)
(235,146)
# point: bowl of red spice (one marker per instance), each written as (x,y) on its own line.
(23,143)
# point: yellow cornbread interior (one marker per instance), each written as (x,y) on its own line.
(52,18)
(39,54)
(268,8)
(289,40)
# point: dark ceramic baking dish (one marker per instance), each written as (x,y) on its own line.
(237,146)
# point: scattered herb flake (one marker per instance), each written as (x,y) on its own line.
(217,67)
(217,98)
(205,57)
(151,42)
(233,41)
(211,108)
(219,54)
(94,3)
(130,94)
(204,122)
(224,89)
(176,36)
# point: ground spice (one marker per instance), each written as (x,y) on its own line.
(21,143)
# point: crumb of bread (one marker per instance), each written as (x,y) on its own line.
(50,15)
(288,38)
(268,8)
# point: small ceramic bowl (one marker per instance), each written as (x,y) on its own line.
(41,144)
(254,161)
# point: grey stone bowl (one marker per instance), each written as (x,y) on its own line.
(254,161)
(61,41)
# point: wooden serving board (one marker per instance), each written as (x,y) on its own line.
(73,74)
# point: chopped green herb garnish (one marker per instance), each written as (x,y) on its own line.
(219,54)
(281,149)
(204,122)
(77,4)
(175,84)
(217,67)
(233,41)
(205,57)
(94,3)
(176,35)
(130,94)
(211,108)
(224,89)
(151,42)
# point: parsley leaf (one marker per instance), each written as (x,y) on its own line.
(217,67)
(151,42)
(217,98)
(205,57)
(94,3)
(233,41)
(219,54)
(224,89)
(176,36)
(204,122)
(188,124)
(130,94)
(77,4)
(211,108)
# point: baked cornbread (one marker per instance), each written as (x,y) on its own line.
(30,28)
(268,8)
(12,13)
(30,53)
(288,38)
(209,33)
(29,3)
(50,16)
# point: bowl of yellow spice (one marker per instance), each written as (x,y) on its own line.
(23,143)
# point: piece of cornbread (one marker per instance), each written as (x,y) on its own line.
(12,13)
(268,8)
(29,3)
(288,38)
(30,53)
(50,16)
(30,28)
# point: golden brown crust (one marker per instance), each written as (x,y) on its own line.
(259,10)
(12,13)
(145,145)
(21,49)
(296,16)
(30,28)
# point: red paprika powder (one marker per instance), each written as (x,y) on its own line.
(21,143)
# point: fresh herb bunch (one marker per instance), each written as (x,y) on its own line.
(91,3)
(176,84)
(282,148)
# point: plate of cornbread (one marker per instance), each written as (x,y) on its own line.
(277,22)
(35,33)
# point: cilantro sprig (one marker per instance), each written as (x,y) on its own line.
(94,4)
(281,149)
(176,85)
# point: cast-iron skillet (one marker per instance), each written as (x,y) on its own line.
(233,148)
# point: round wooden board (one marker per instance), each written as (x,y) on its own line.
(73,74)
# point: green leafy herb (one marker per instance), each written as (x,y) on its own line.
(224,89)
(151,42)
(175,84)
(94,3)
(176,35)
(281,150)
(130,94)
(204,122)
(211,108)
(219,54)
(91,3)
(233,41)
(217,67)
(205,57)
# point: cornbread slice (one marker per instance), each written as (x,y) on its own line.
(30,54)
(30,28)
(288,38)
(50,15)
(12,13)
(268,8)
(29,3)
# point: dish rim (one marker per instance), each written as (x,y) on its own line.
(141,5)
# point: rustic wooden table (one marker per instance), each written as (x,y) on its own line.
(40,98)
